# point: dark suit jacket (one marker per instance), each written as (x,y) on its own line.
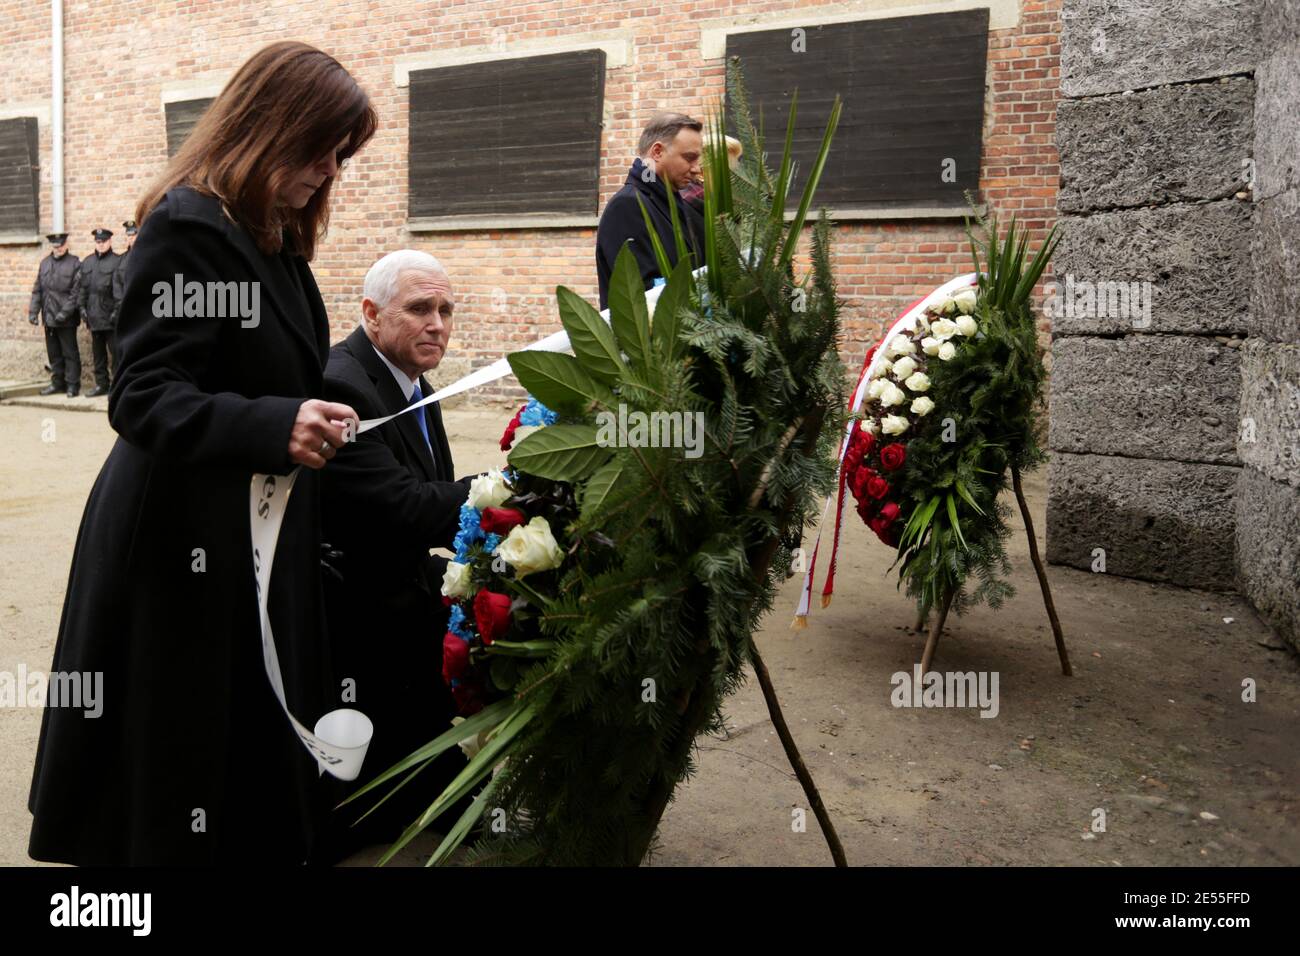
(622,221)
(386,502)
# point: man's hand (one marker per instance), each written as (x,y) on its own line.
(319,431)
(33,320)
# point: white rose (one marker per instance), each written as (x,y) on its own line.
(918,382)
(893,425)
(892,395)
(930,345)
(947,351)
(870,426)
(873,390)
(904,367)
(947,306)
(922,406)
(882,368)
(470,746)
(944,329)
(965,301)
(901,345)
(455,580)
(967,326)
(531,547)
(922,323)
(489,491)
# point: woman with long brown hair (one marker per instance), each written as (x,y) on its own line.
(190,758)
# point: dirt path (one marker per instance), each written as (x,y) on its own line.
(1152,728)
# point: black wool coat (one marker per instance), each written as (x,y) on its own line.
(622,221)
(386,502)
(95,290)
(192,761)
(55,291)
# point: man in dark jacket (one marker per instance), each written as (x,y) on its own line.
(670,149)
(54,299)
(119,277)
(389,497)
(98,306)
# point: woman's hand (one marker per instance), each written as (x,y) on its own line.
(319,431)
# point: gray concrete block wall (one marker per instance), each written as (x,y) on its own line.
(1268,489)
(1156,134)
(1108,46)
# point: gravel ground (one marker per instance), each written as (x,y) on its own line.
(1152,729)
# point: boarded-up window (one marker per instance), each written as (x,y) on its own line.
(509,137)
(913,116)
(181,117)
(20,177)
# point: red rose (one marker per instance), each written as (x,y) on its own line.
(865,508)
(868,441)
(889,511)
(455,656)
(877,487)
(852,458)
(859,479)
(508,436)
(892,456)
(500,520)
(491,614)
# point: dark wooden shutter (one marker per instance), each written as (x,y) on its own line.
(20,178)
(913,91)
(181,117)
(510,137)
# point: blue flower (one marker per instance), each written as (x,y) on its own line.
(457,624)
(469,533)
(490,543)
(536,414)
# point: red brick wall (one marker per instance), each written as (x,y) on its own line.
(119,54)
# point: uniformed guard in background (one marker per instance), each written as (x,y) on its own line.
(119,280)
(98,305)
(54,297)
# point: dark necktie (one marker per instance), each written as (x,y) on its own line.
(420,416)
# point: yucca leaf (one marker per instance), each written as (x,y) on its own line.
(810,187)
(469,778)
(786,171)
(456,835)
(966,496)
(661,257)
(952,517)
(539,648)
(485,718)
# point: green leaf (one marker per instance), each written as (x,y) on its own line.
(952,517)
(558,381)
(668,308)
(966,496)
(559,452)
(591,337)
(810,187)
(661,257)
(627,309)
(456,835)
(469,778)
(485,718)
(598,488)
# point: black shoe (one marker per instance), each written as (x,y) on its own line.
(97,391)
(51,389)
(73,392)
